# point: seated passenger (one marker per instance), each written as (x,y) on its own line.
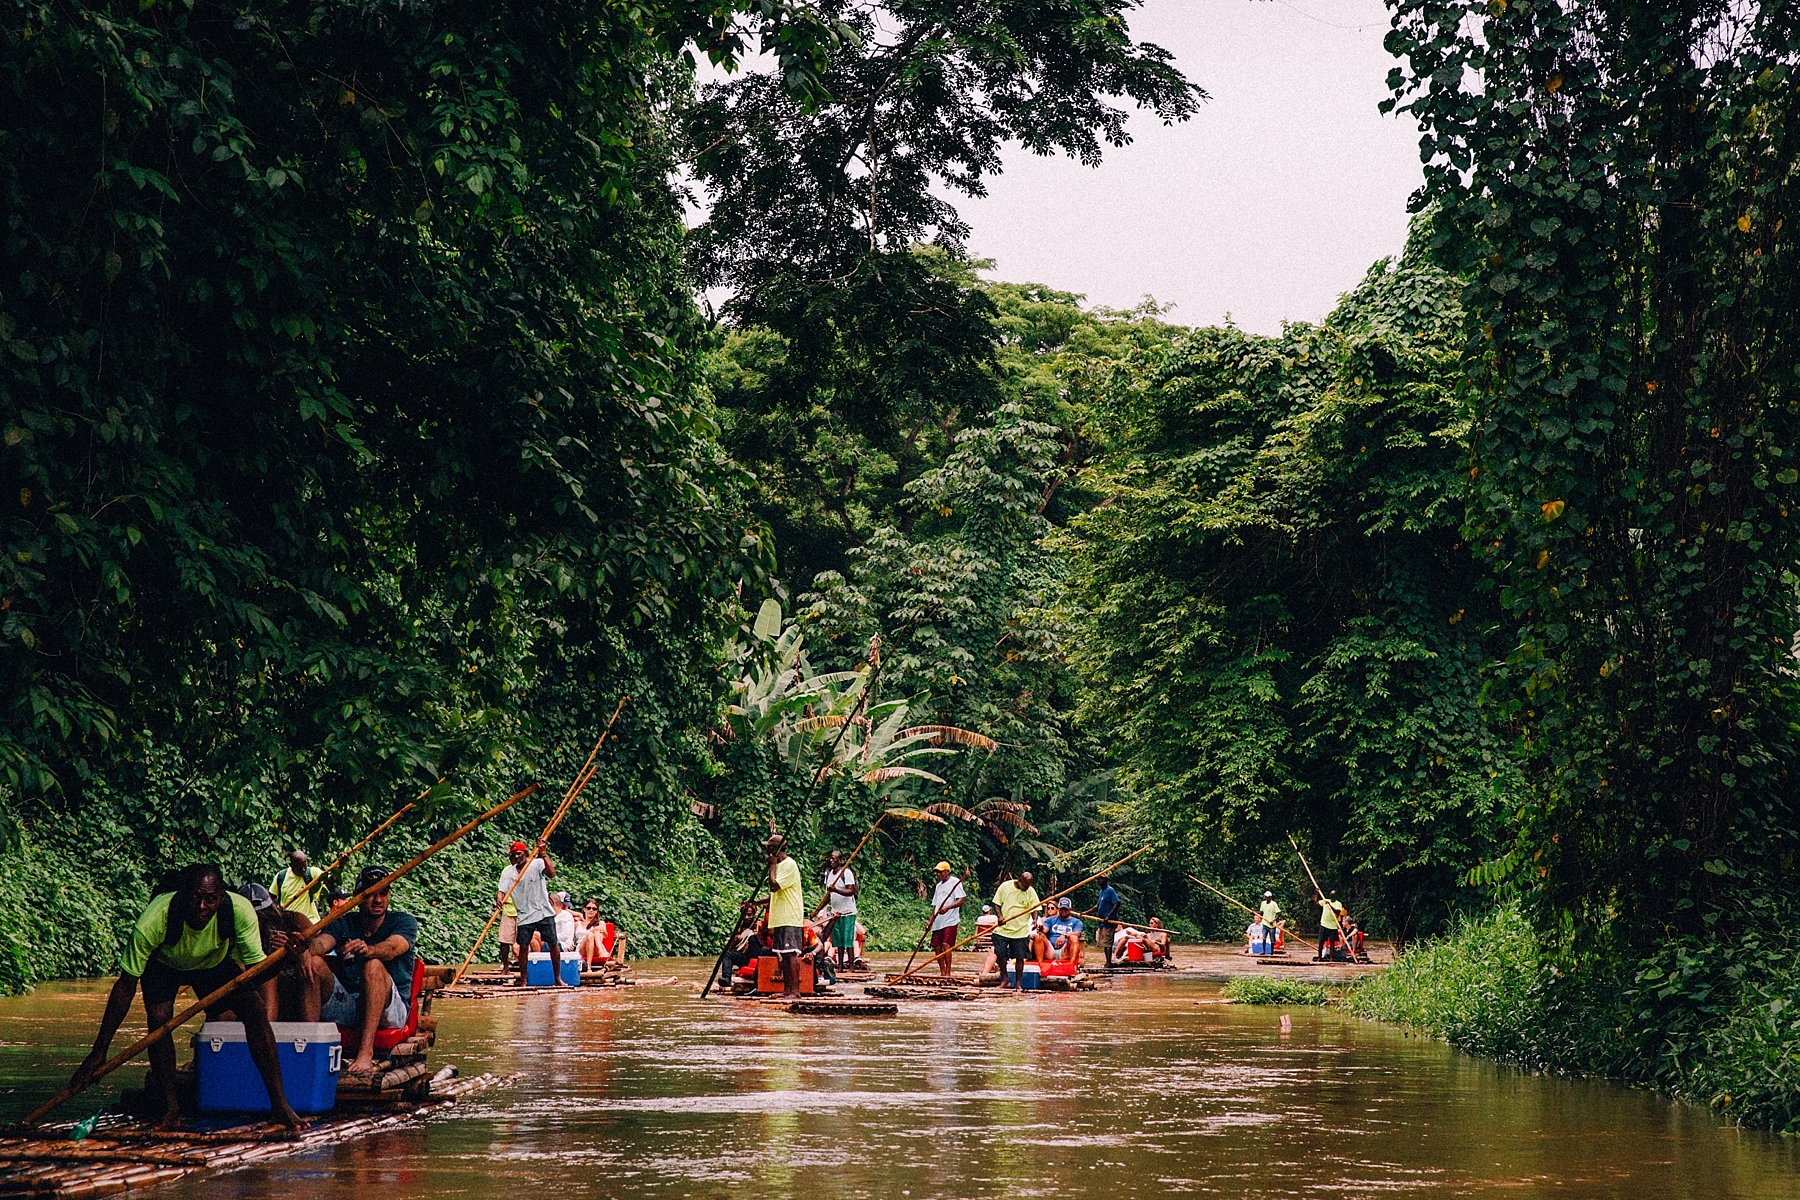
(361,971)
(1156,940)
(1129,945)
(1255,934)
(1063,934)
(564,917)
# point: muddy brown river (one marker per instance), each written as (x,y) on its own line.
(1148,1089)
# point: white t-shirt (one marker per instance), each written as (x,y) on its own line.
(986,921)
(532,896)
(565,929)
(948,896)
(842,877)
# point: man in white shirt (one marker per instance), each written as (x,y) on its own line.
(946,916)
(531,897)
(840,890)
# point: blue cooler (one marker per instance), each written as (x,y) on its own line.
(537,970)
(1032,976)
(229,1082)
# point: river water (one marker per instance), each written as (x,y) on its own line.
(1151,1088)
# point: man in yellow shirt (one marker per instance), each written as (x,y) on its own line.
(1015,900)
(289,887)
(199,936)
(787,913)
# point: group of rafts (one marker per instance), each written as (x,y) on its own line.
(756,980)
(113,1151)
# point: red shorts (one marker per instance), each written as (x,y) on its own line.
(943,939)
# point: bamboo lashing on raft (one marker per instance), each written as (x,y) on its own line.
(587,772)
(1045,900)
(268,963)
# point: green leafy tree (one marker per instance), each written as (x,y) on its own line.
(1616,183)
(1281,629)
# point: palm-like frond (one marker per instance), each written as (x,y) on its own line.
(951,733)
(951,810)
(889,774)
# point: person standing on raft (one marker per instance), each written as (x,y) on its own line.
(199,936)
(1016,900)
(1106,908)
(1329,912)
(532,898)
(289,887)
(787,913)
(840,892)
(946,916)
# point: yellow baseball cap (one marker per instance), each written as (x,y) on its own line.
(943,866)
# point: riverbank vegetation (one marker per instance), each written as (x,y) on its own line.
(365,428)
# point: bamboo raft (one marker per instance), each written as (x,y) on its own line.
(1307,962)
(889,992)
(124,1155)
(830,1006)
(934,981)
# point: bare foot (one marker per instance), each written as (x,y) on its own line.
(290,1120)
(171,1119)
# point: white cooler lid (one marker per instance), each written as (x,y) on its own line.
(313,1033)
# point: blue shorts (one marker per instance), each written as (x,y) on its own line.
(345,1007)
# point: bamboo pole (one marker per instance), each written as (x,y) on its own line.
(1045,900)
(587,772)
(181,1018)
(378,831)
(937,912)
(1215,891)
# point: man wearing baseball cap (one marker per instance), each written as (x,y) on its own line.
(531,897)
(946,916)
(787,913)
(367,984)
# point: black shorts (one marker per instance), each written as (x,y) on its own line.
(1011,947)
(787,939)
(161,982)
(546,927)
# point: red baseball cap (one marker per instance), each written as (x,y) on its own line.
(520,847)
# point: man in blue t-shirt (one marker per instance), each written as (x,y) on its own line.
(367,984)
(1062,934)
(1106,908)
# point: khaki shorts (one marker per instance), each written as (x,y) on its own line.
(509,930)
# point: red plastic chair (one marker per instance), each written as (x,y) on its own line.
(387,1039)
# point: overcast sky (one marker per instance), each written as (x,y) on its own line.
(1267,205)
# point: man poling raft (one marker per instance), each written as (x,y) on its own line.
(238,988)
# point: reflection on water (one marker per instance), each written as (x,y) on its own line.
(1149,1089)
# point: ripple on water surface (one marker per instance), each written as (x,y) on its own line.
(1152,1088)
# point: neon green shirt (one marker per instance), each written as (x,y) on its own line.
(785,907)
(1328,913)
(1271,913)
(287,887)
(1015,904)
(195,949)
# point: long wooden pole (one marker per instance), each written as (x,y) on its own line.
(181,1018)
(380,829)
(1045,900)
(587,772)
(1215,891)
(937,912)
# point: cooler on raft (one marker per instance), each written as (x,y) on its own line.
(768,975)
(537,969)
(1033,975)
(310,1052)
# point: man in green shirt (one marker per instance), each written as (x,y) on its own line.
(787,913)
(1015,900)
(1329,912)
(1271,919)
(290,888)
(199,936)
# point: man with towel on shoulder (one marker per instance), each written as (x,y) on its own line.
(787,913)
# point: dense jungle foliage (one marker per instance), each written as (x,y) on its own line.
(368,431)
